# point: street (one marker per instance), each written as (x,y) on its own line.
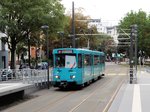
(46,45)
(95,97)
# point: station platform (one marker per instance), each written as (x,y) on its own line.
(133,97)
(9,88)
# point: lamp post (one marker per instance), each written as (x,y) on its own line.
(73,27)
(89,32)
(45,28)
(62,35)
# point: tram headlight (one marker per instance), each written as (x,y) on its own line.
(72,76)
(57,77)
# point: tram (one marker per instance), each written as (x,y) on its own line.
(74,66)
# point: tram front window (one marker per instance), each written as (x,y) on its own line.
(66,60)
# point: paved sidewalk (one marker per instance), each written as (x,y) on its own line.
(133,97)
(8,88)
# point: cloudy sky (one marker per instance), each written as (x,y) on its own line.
(110,11)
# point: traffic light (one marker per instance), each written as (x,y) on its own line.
(134,29)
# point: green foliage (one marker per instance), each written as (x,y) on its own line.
(22,17)
(81,27)
(104,43)
(143,21)
(80,40)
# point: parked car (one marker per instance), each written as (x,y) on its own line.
(42,65)
(6,74)
(24,66)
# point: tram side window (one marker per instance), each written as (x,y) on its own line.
(102,59)
(96,60)
(87,60)
(80,61)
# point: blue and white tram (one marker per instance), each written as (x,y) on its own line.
(74,66)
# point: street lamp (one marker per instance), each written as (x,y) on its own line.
(89,31)
(45,28)
(62,35)
(73,26)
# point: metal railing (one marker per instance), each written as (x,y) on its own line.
(147,69)
(29,76)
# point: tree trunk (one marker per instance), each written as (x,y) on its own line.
(13,57)
(18,56)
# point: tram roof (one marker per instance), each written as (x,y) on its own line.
(78,49)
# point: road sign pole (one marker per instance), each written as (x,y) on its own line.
(131,56)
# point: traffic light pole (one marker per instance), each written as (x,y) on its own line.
(131,57)
(133,61)
(136,46)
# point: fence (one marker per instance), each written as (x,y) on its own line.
(147,69)
(30,76)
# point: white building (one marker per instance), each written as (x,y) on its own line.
(98,24)
(3,51)
(104,27)
(107,29)
(112,31)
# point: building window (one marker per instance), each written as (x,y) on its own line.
(108,32)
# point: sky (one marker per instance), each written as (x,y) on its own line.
(109,11)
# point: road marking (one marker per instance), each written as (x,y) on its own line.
(113,97)
(81,102)
(136,104)
(145,84)
(84,100)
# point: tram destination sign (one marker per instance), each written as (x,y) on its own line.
(65,51)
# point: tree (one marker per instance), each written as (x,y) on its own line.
(105,43)
(21,17)
(81,27)
(143,21)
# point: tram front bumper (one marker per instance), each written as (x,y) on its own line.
(63,83)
